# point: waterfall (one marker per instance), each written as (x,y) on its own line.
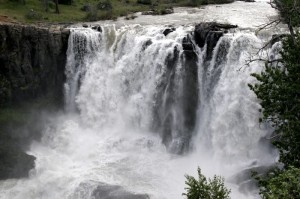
(143,108)
(135,77)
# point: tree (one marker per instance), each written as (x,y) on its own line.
(46,5)
(280,184)
(203,189)
(56,7)
(289,11)
(278,89)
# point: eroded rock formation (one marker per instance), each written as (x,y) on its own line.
(32,62)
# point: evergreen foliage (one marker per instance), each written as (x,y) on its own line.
(279,92)
(289,11)
(280,184)
(205,189)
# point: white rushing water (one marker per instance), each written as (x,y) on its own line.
(126,117)
(246,15)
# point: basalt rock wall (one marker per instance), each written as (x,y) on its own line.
(32,62)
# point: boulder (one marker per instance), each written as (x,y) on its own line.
(14,162)
(149,12)
(167,11)
(98,28)
(106,191)
(168,30)
(210,33)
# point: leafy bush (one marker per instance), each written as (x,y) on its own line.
(86,8)
(33,15)
(104,5)
(203,189)
(95,15)
(280,184)
(92,15)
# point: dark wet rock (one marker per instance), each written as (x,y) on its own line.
(106,191)
(146,44)
(32,60)
(130,17)
(245,180)
(168,30)
(149,12)
(155,11)
(167,11)
(210,33)
(177,140)
(14,162)
(98,28)
(190,91)
(188,48)
(85,25)
(32,65)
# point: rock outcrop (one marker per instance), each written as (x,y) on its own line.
(32,61)
(106,191)
(210,33)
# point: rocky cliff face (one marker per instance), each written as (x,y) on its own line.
(32,61)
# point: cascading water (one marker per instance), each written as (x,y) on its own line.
(143,110)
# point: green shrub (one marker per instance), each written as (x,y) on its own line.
(203,189)
(280,184)
(92,15)
(33,15)
(86,7)
(51,5)
(104,5)
(96,15)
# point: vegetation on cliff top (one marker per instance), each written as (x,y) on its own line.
(87,10)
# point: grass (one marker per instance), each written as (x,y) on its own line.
(16,11)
